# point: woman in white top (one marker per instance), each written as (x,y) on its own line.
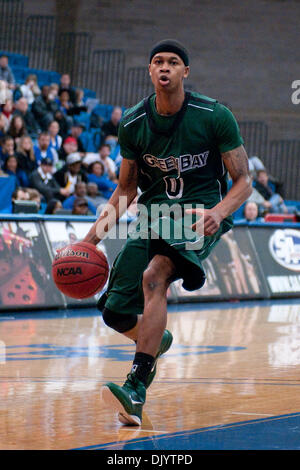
(30,90)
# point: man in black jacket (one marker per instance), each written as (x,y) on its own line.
(42,180)
(44,108)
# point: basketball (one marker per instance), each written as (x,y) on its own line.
(80,270)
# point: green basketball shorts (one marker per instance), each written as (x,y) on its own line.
(125,293)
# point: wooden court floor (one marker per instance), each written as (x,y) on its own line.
(230,381)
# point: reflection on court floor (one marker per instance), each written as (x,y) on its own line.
(230,380)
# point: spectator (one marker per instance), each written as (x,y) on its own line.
(55,138)
(80,206)
(96,175)
(44,108)
(22,109)
(251,212)
(7,110)
(110,128)
(76,132)
(43,150)
(64,125)
(35,196)
(65,84)
(94,196)
(69,146)
(20,194)
(5,92)
(53,91)
(25,155)
(64,102)
(17,129)
(80,191)
(42,180)
(110,168)
(71,173)
(3,125)
(264,188)
(53,206)
(30,89)
(7,148)
(6,73)
(11,168)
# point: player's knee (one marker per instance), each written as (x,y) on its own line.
(158,275)
(119,322)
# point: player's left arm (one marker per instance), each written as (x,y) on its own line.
(236,162)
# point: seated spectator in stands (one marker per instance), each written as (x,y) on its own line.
(110,168)
(77,129)
(80,207)
(69,146)
(17,129)
(55,138)
(43,150)
(11,168)
(20,194)
(89,158)
(3,126)
(53,206)
(80,191)
(6,73)
(22,109)
(64,125)
(30,89)
(65,83)
(25,155)
(7,148)
(42,180)
(264,188)
(7,110)
(53,91)
(96,175)
(5,92)
(71,173)
(64,103)
(44,108)
(110,128)
(255,165)
(78,106)
(251,213)
(35,196)
(94,195)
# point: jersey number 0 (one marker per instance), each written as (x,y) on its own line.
(174,187)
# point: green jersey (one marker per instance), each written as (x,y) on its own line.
(179,156)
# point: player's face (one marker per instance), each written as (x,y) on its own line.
(167,71)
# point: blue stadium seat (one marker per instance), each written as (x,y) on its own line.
(18,60)
(88,93)
(83,118)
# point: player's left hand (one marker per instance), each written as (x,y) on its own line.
(208,223)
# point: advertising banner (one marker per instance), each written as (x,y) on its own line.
(232,271)
(279,253)
(25,268)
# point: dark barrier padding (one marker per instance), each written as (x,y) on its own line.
(254,261)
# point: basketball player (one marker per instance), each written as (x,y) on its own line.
(177,147)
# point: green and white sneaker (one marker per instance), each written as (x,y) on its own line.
(128,400)
(165,345)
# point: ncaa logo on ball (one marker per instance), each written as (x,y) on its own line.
(284,247)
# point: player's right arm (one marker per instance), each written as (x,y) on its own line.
(121,198)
